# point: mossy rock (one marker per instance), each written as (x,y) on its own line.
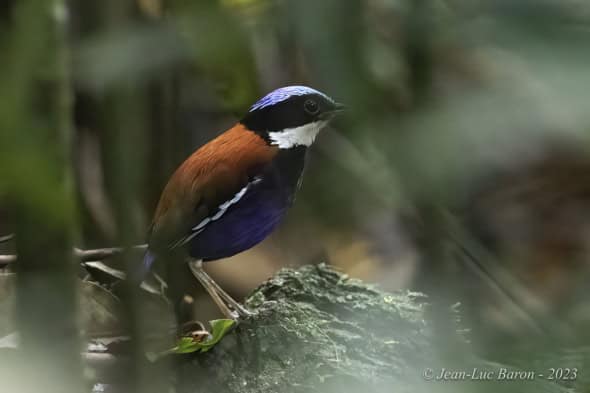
(317,330)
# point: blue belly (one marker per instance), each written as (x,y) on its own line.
(256,214)
(242,226)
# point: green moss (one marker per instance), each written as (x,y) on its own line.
(316,330)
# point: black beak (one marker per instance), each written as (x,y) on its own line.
(339,107)
(328,115)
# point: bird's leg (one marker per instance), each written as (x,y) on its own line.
(241,310)
(197,269)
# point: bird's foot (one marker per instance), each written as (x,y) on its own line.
(228,306)
(240,311)
(234,310)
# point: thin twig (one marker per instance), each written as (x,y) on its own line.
(6,238)
(104,253)
(504,283)
(85,255)
(5,259)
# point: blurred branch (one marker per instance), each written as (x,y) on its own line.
(87,255)
(418,47)
(124,118)
(499,279)
(104,253)
(40,191)
(6,238)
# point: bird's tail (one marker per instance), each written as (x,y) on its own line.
(146,265)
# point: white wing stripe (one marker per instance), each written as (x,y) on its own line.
(221,210)
(227,204)
(202,224)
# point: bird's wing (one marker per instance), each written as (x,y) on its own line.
(215,177)
(182,210)
(216,214)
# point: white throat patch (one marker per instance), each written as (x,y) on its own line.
(297,136)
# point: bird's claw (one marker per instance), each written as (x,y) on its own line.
(240,313)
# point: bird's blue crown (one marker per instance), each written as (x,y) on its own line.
(283,94)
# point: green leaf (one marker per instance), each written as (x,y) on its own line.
(219,328)
(185,345)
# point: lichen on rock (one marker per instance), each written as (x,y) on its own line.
(317,330)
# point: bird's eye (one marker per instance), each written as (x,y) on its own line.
(311,107)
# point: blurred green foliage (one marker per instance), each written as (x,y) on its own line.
(467,130)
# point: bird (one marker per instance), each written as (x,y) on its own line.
(232,192)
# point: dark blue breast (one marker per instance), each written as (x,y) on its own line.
(257,213)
